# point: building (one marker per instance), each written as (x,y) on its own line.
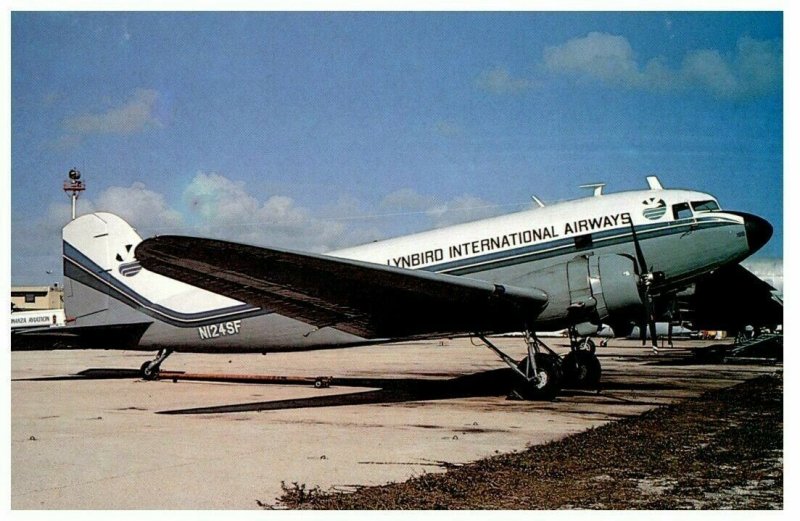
(34,298)
(36,319)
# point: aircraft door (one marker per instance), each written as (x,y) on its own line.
(582,304)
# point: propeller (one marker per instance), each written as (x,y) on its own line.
(646,279)
(671,318)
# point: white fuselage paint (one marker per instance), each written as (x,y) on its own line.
(540,225)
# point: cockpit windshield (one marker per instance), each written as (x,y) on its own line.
(705,206)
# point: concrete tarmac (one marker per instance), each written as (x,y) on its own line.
(99,441)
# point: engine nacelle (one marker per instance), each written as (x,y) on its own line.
(587,290)
(615,286)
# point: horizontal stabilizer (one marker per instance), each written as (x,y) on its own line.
(117,336)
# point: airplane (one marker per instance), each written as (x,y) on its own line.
(664,330)
(602,259)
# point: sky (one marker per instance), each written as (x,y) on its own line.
(316,131)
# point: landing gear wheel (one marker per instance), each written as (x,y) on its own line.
(148,372)
(581,370)
(548,382)
(151,368)
(588,345)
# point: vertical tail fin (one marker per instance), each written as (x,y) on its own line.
(85,254)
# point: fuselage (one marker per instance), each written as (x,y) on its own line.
(682,234)
(663,220)
(563,249)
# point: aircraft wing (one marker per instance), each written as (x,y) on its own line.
(365,299)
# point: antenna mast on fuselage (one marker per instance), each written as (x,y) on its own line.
(596,187)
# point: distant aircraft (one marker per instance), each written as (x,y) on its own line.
(665,330)
(768,270)
(608,258)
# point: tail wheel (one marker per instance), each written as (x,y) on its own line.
(151,368)
(581,370)
(148,372)
(547,383)
(587,344)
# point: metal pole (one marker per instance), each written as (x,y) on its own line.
(74,186)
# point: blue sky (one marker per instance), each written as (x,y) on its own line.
(322,130)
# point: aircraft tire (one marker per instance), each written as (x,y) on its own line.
(581,370)
(550,384)
(147,372)
(587,344)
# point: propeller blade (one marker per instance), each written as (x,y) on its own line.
(673,305)
(639,252)
(653,337)
(643,330)
(651,317)
(646,278)
(642,285)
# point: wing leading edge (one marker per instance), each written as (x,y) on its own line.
(365,299)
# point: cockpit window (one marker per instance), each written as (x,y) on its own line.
(681,211)
(705,206)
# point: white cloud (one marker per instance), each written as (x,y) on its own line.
(759,65)
(440,213)
(213,197)
(135,115)
(58,214)
(499,81)
(707,69)
(223,208)
(141,207)
(596,55)
(753,70)
(407,200)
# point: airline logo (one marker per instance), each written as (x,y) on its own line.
(654,209)
(128,269)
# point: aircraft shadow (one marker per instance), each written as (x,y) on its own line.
(88,374)
(607,385)
(496,382)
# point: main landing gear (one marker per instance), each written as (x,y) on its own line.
(581,366)
(151,368)
(540,371)
(543,373)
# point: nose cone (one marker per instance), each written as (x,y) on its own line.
(758,231)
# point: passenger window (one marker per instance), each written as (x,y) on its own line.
(705,206)
(681,211)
